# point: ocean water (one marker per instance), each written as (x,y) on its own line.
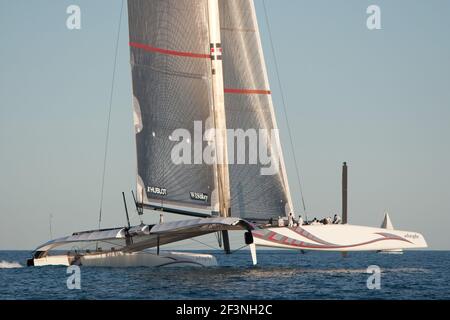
(279,275)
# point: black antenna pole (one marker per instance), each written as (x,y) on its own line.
(136,203)
(140,211)
(134,198)
(142,201)
(344,193)
(126,209)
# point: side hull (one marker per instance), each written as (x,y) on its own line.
(136,259)
(340,237)
(59,260)
(393,251)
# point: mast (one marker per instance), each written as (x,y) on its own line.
(219,109)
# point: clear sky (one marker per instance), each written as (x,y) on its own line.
(379,100)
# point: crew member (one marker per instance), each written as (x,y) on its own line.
(337,219)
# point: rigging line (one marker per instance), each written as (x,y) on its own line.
(205,244)
(277,71)
(50,225)
(240,248)
(109,115)
(219,238)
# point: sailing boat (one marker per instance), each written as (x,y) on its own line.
(198,70)
(387,224)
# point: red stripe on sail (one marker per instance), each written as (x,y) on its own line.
(169,52)
(247,91)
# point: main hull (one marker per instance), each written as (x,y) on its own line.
(135,259)
(338,237)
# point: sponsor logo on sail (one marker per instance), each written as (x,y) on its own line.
(157,191)
(199,196)
(234,146)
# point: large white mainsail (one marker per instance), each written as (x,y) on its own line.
(176,56)
(171,68)
(181,77)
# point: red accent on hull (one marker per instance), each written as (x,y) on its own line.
(271,238)
(169,52)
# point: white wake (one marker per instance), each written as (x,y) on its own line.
(9,265)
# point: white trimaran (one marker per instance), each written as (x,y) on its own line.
(181,78)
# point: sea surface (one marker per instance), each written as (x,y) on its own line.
(279,275)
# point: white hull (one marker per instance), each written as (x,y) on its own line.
(137,259)
(394,251)
(56,260)
(338,237)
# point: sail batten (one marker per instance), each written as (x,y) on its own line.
(168,51)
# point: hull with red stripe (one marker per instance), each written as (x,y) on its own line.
(338,238)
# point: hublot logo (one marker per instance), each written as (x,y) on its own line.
(157,190)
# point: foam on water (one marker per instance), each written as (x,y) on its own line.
(332,271)
(286,273)
(9,265)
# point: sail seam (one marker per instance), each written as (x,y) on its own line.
(246,91)
(169,52)
(171,73)
(237,29)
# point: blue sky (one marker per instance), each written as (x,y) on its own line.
(379,100)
